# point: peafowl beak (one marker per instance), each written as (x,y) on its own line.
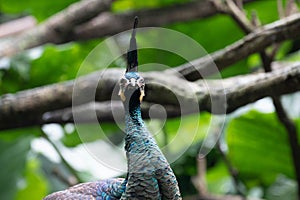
(131,84)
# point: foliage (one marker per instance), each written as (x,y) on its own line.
(268,144)
(257,143)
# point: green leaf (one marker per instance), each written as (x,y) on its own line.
(258,148)
(59,63)
(12,160)
(35,184)
(16,75)
(56,64)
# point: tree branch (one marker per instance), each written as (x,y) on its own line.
(199,181)
(57,28)
(27,108)
(232,171)
(69,24)
(284,29)
(17,26)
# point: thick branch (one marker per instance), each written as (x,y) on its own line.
(27,108)
(16,26)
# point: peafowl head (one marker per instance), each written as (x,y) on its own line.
(132,85)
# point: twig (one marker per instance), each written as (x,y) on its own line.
(233,172)
(199,180)
(239,4)
(237,13)
(287,123)
(254,19)
(75,178)
(291,7)
(280,9)
(69,181)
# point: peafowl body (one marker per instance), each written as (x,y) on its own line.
(149,173)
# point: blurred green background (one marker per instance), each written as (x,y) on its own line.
(253,140)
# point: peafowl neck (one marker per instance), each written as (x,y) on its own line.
(149,173)
(133,119)
(133,113)
(135,126)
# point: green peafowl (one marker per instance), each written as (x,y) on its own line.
(149,173)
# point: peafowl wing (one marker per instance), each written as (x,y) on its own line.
(110,189)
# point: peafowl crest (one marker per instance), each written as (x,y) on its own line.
(149,174)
